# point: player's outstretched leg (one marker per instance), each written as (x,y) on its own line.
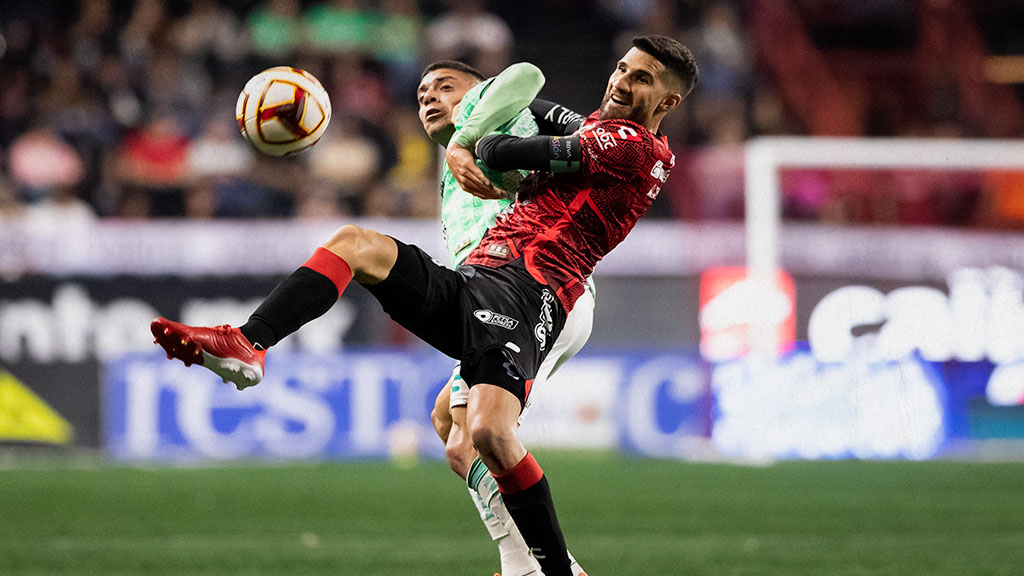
(222,349)
(236,354)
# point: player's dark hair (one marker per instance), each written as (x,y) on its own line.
(453,65)
(676,57)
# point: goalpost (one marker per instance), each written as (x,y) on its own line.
(767,156)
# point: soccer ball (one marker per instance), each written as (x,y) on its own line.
(283,110)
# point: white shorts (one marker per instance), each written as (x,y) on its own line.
(575,333)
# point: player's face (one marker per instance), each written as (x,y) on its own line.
(438,93)
(635,89)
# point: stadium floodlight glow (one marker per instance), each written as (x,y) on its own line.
(767,156)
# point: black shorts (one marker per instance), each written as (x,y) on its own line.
(499,322)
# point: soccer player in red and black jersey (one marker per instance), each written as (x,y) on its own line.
(500,313)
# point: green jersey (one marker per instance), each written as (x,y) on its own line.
(464,217)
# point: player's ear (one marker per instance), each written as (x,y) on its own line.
(669,102)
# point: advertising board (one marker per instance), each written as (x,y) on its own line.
(375,403)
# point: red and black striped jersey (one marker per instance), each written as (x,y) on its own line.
(562,224)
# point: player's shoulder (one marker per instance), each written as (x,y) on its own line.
(477,91)
(624,129)
(469,101)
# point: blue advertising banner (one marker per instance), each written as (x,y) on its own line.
(309,406)
(377,404)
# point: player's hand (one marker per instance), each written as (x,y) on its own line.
(463,167)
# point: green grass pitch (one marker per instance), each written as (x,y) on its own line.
(621,517)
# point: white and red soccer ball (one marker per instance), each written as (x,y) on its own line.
(283,110)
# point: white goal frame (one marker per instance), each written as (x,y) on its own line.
(765,157)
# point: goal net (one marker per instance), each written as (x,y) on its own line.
(767,157)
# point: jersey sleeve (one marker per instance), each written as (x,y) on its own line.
(541,153)
(506,95)
(555,119)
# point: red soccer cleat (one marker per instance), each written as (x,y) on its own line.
(222,350)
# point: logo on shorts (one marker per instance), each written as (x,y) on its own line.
(495,319)
(547,321)
(511,370)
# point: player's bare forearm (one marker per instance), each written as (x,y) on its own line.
(502,100)
(468,175)
(540,153)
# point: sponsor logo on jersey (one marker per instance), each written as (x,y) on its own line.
(495,319)
(467,243)
(627,133)
(498,251)
(605,140)
(547,321)
(661,173)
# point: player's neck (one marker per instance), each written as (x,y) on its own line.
(444,135)
(654,124)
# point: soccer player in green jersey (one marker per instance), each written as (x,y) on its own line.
(448,95)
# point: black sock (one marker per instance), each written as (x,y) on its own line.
(305,295)
(534,513)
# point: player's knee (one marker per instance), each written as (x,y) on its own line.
(350,242)
(369,254)
(459,454)
(487,437)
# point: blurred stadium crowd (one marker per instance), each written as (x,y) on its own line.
(123,108)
